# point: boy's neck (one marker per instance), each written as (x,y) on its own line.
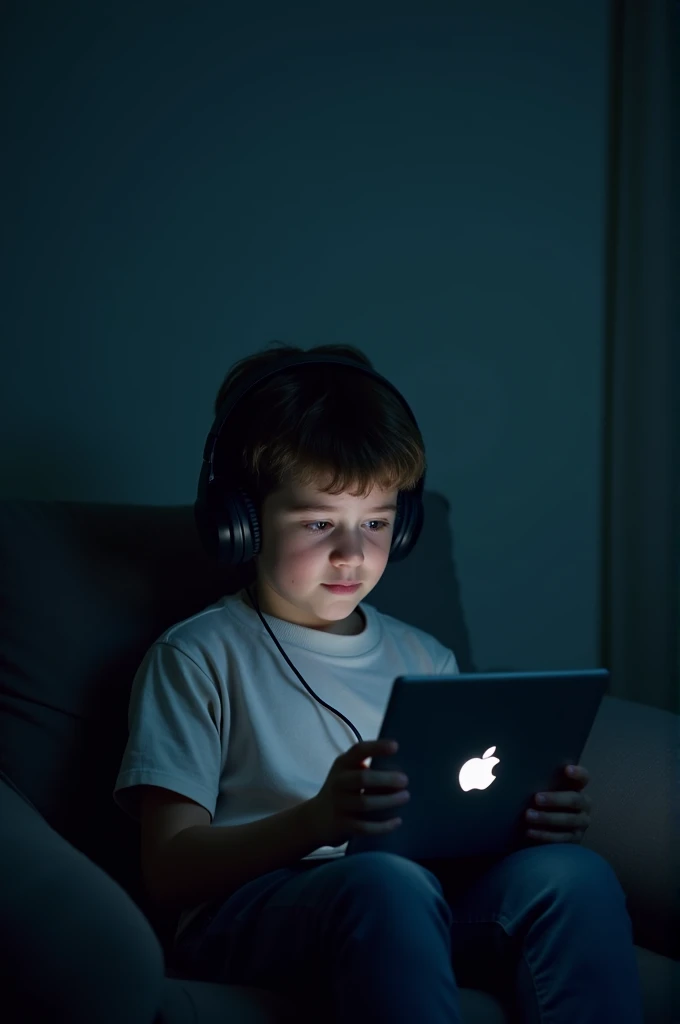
(351,626)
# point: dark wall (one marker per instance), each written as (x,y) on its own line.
(184,182)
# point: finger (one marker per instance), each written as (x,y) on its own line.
(367,750)
(563,798)
(555,837)
(369,804)
(553,820)
(374,828)
(577,773)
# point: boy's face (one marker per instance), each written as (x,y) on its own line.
(310,538)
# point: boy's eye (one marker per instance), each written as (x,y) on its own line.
(376,525)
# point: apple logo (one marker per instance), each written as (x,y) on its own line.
(476,773)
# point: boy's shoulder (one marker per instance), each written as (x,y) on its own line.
(401,632)
(200,630)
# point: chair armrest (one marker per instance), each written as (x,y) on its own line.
(633,755)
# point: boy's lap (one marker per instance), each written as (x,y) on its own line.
(271,928)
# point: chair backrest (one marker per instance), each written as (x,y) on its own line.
(85,589)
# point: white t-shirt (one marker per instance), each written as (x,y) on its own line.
(217,714)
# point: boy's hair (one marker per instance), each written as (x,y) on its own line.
(316,425)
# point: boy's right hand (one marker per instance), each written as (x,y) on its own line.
(344,795)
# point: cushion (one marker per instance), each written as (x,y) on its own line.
(84,590)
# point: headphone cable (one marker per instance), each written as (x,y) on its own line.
(256,606)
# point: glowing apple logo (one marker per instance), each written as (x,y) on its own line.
(477,772)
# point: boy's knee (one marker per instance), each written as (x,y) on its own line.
(575,869)
(377,872)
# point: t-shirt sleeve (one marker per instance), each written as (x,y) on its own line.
(176,719)
(449,666)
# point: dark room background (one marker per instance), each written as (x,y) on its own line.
(186,181)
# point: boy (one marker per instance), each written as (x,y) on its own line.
(248,790)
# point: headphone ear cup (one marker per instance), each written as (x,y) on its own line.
(253,534)
(229,526)
(407,524)
(204,514)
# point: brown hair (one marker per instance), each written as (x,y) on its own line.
(314,424)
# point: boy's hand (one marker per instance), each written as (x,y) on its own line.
(565,815)
(351,790)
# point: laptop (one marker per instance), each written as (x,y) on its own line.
(476,748)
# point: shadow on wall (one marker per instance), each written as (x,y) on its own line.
(424,589)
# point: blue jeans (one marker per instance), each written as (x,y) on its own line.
(380,938)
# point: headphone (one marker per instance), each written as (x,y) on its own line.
(225,513)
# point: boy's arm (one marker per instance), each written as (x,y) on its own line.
(202,863)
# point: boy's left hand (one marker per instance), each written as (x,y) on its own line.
(565,815)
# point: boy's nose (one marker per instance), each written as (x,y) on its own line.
(347,554)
